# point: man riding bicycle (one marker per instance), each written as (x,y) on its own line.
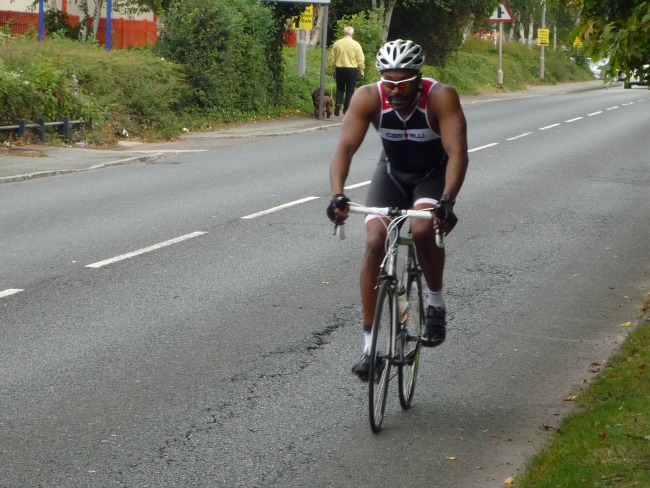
(424,160)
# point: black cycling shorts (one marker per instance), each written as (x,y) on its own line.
(392,188)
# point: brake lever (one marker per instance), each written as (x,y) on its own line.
(339,229)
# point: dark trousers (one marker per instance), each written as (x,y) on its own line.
(346,78)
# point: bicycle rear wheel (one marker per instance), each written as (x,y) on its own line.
(380,351)
(410,338)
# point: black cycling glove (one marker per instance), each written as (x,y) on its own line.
(339,201)
(445,212)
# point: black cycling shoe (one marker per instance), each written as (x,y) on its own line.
(435,330)
(362,368)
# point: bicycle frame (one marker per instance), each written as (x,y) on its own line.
(389,272)
(400,347)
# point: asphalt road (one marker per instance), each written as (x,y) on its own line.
(131,359)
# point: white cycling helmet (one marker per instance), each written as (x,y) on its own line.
(399,54)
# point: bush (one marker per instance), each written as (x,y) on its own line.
(226,52)
(134,90)
(38,88)
(58,23)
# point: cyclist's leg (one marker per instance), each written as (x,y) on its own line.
(381,193)
(432,261)
(384,191)
(430,256)
(373,256)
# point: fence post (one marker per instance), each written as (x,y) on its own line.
(40,129)
(64,128)
(22,127)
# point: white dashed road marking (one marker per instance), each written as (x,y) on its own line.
(10,291)
(548,126)
(483,147)
(357,185)
(128,255)
(519,136)
(280,207)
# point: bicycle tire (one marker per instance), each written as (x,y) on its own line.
(410,337)
(380,350)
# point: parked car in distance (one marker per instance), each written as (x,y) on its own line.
(638,78)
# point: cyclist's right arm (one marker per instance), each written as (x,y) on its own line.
(356,122)
(357,119)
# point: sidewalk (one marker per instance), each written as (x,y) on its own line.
(19,163)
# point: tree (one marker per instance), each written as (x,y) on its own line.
(385,9)
(620,31)
(564,16)
(439,26)
(525,13)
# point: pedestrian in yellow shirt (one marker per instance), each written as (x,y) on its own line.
(346,61)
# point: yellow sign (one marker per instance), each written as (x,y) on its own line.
(577,42)
(305,20)
(542,37)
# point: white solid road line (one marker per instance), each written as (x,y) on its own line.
(280,207)
(128,255)
(10,291)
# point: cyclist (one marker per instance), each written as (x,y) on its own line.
(424,160)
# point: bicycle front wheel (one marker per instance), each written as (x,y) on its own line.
(410,339)
(380,351)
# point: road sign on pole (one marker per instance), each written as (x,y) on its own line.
(543,36)
(305,20)
(502,14)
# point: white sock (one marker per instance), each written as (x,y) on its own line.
(434,299)
(367,338)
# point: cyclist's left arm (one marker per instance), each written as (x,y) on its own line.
(445,109)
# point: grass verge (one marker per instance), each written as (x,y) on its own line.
(606,443)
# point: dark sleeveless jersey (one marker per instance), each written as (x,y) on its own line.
(410,144)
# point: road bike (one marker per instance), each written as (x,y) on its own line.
(399,314)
